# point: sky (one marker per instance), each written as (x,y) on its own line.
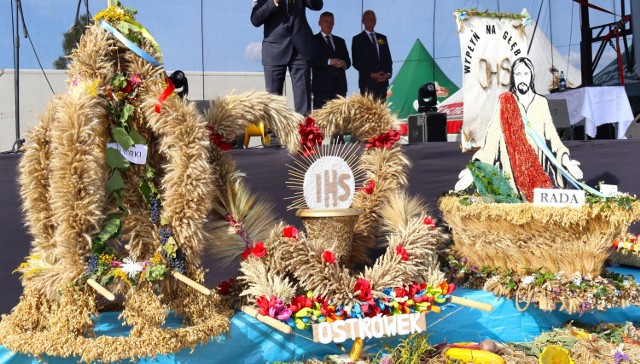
(217,35)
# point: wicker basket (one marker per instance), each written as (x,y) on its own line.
(523,236)
(333,227)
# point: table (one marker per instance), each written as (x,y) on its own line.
(598,105)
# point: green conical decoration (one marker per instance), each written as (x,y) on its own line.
(418,68)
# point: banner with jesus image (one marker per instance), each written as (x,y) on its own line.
(489,43)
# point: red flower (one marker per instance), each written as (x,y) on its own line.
(429,222)
(218,139)
(299,303)
(264,304)
(364,288)
(329,257)
(246,253)
(402,252)
(310,136)
(259,250)
(446,288)
(384,140)
(290,232)
(369,187)
(225,287)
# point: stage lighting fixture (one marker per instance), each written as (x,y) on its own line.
(427,98)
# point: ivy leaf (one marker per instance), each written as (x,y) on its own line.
(122,137)
(111,228)
(137,138)
(115,159)
(127,111)
(115,183)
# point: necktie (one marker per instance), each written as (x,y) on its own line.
(328,38)
(375,44)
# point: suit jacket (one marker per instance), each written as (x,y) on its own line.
(284,30)
(325,77)
(366,61)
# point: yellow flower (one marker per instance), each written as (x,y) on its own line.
(106,258)
(119,273)
(112,14)
(554,354)
(156,259)
(380,41)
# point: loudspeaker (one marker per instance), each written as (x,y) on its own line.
(436,127)
(417,128)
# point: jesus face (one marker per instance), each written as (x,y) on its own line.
(522,78)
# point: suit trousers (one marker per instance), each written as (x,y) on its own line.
(300,73)
(378,91)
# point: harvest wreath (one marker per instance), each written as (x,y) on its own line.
(300,280)
(110,224)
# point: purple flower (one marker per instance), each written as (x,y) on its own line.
(619,356)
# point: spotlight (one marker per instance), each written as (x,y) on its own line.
(427,98)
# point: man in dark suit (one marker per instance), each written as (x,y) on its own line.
(288,43)
(372,59)
(328,67)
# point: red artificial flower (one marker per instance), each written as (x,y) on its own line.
(634,239)
(299,303)
(384,140)
(401,292)
(246,253)
(218,139)
(364,288)
(415,288)
(259,250)
(429,222)
(446,288)
(225,287)
(371,310)
(264,304)
(290,232)
(369,187)
(128,88)
(402,252)
(329,257)
(615,244)
(310,136)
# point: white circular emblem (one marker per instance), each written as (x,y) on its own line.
(329,184)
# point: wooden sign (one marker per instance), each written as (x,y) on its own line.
(369,327)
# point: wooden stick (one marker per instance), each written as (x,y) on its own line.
(270,321)
(471,303)
(101,290)
(189,282)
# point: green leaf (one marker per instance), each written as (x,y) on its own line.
(118,195)
(115,183)
(127,111)
(148,190)
(118,81)
(122,137)
(137,138)
(115,159)
(111,229)
(149,172)
(171,247)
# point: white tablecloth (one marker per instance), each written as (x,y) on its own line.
(598,105)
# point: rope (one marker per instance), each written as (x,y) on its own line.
(517,301)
